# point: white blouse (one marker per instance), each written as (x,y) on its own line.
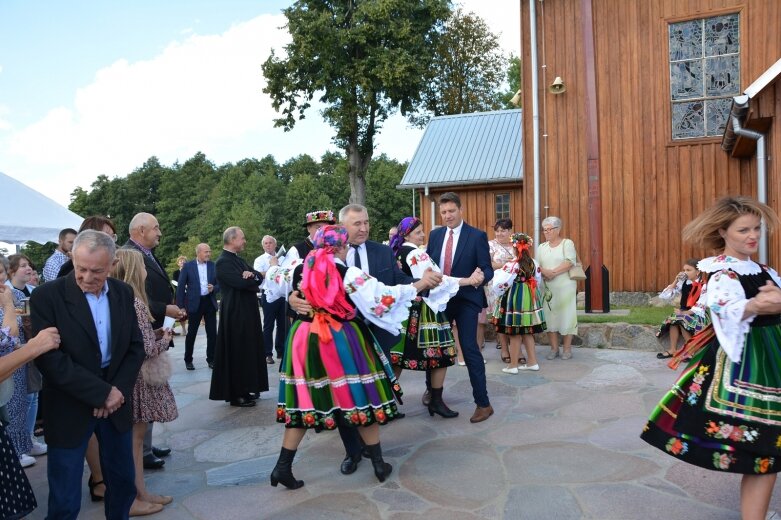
(419,262)
(725,300)
(504,277)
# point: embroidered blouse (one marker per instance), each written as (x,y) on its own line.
(511,273)
(419,262)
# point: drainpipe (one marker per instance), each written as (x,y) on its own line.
(433,208)
(740,105)
(535,120)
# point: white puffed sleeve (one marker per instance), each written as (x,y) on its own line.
(384,305)
(279,281)
(503,278)
(419,262)
(726,300)
(774,275)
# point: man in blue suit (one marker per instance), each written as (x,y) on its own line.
(196,293)
(458,249)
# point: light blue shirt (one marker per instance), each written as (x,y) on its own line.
(101,315)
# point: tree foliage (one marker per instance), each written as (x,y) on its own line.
(468,71)
(363,59)
(513,81)
(197,200)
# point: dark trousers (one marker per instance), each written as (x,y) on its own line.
(65,468)
(465,315)
(350,436)
(206,311)
(274,314)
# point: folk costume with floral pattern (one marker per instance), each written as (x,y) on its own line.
(334,371)
(724,412)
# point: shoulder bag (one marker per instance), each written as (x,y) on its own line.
(576,272)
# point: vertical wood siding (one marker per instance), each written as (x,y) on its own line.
(651,186)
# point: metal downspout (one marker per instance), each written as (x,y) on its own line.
(535,120)
(739,108)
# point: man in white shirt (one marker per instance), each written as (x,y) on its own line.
(196,293)
(274,312)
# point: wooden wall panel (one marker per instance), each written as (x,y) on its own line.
(651,186)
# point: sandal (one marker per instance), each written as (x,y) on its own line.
(521,360)
(663,355)
(506,359)
(92,485)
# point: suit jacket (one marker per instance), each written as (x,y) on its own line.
(471,251)
(73,382)
(159,290)
(188,292)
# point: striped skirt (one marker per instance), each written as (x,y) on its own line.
(346,380)
(520,311)
(427,341)
(725,416)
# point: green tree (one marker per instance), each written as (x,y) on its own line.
(513,81)
(468,71)
(387,205)
(363,59)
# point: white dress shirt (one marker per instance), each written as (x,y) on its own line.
(361,250)
(203,277)
(456,234)
(262,263)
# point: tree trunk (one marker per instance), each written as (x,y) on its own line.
(358,165)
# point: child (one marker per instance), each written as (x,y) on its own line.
(682,322)
(519,315)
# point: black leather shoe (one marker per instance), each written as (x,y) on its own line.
(153,462)
(350,464)
(161,452)
(253,396)
(241,402)
(211,364)
(270,360)
(189,365)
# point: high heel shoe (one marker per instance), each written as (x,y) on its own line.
(92,485)
(381,468)
(438,406)
(283,472)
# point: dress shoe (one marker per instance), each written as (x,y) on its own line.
(161,452)
(426,399)
(270,360)
(350,464)
(242,402)
(481,413)
(189,366)
(153,462)
(211,364)
(253,395)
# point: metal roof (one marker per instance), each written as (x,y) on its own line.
(477,148)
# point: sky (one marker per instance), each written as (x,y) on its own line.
(96,87)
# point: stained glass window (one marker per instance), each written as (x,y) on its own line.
(502,204)
(704,74)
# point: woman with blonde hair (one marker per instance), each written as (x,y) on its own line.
(153,400)
(724,412)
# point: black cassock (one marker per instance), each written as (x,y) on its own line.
(239,359)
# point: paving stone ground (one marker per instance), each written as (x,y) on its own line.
(563,444)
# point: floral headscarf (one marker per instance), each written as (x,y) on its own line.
(321,282)
(405,227)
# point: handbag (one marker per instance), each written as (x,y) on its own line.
(156,371)
(576,272)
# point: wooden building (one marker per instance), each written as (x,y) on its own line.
(479,157)
(664,75)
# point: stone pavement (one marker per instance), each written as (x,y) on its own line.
(563,444)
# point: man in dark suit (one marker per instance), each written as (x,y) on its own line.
(144,237)
(88,382)
(196,292)
(458,249)
(377,260)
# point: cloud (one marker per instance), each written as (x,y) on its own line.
(202,93)
(4,123)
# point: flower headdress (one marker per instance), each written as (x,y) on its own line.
(522,242)
(325,215)
(405,227)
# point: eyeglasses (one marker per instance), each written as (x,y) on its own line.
(548,230)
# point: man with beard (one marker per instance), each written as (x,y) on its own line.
(240,372)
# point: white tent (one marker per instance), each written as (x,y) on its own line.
(29,215)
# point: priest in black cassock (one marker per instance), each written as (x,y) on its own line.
(239,363)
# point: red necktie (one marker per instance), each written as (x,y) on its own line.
(448,254)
